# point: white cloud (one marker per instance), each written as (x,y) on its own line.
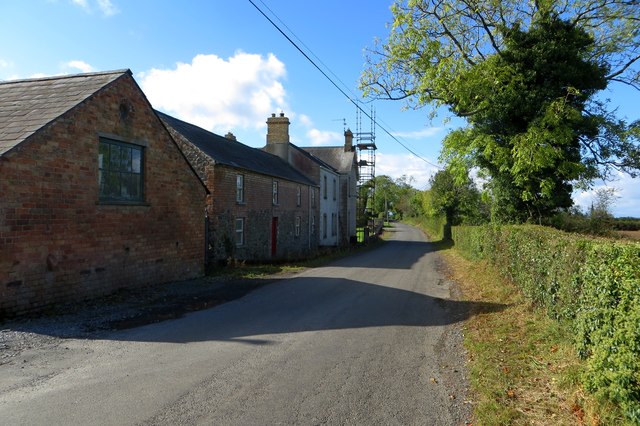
(5,64)
(218,94)
(324,138)
(420,134)
(628,193)
(105,6)
(397,165)
(79,65)
(82,3)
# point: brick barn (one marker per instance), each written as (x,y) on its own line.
(95,195)
(260,208)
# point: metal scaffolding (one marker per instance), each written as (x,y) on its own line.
(366,151)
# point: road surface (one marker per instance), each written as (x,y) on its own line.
(370,339)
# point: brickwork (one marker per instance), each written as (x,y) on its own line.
(59,243)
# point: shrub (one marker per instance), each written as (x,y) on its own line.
(592,283)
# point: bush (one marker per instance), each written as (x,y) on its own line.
(434,226)
(592,283)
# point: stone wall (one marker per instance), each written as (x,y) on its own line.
(258,211)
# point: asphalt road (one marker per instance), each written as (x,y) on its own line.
(371,339)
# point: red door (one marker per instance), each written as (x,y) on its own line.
(274,236)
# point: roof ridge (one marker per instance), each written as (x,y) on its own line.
(65,76)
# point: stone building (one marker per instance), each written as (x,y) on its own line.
(95,195)
(334,168)
(260,208)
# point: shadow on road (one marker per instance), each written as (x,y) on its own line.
(303,305)
(394,254)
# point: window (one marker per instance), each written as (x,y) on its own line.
(275,192)
(325,187)
(298,221)
(313,225)
(240,188)
(334,224)
(313,197)
(298,196)
(335,189)
(120,171)
(324,225)
(239,231)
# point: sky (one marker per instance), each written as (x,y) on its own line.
(221,65)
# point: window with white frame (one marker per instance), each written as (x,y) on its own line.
(240,188)
(313,197)
(298,196)
(275,192)
(239,231)
(298,223)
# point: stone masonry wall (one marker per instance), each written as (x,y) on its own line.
(258,211)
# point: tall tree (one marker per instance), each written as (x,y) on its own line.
(458,200)
(524,75)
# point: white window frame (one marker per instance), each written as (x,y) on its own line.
(239,188)
(298,225)
(239,231)
(275,192)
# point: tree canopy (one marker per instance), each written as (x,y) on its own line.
(524,75)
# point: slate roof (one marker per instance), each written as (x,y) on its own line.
(313,157)
(26,106)
(335,156)
(233,153)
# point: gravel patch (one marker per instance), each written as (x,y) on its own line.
(126,308)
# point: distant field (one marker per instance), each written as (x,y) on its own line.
(630,234)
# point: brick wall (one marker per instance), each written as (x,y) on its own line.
(58,243)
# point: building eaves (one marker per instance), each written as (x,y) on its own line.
(233,153)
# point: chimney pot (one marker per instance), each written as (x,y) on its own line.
(348,141)
(278,136)
(230,136)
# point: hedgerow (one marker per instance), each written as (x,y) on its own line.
(594,284)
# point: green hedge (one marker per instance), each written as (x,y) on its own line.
(592,283)
(434,226)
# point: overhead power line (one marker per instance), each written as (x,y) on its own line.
(340,89)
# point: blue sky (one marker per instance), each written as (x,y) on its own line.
(221,65)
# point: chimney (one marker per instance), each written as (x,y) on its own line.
(278,136)
(348,141)
(230,136)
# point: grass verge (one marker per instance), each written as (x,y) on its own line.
(244,270)
(523,366)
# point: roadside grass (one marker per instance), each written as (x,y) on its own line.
(244,270)
(523,367)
